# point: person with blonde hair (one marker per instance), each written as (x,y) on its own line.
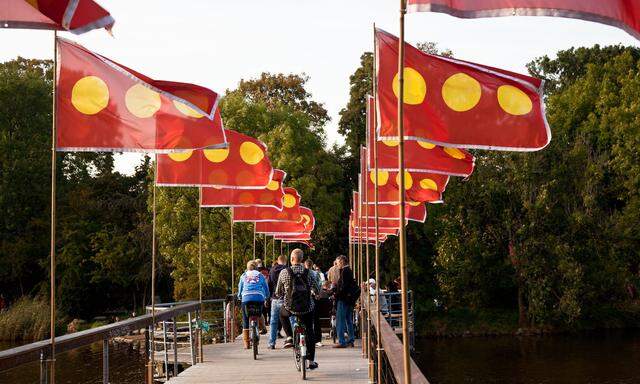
(252,291)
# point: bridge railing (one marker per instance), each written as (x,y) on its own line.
(168,313)
(390,364)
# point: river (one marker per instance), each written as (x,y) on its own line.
(611,357)
(84,366)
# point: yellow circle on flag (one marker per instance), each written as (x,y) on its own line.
(141,101)
(428,184)
(514,101)
(306,219)
(390,143)
(251,153)
(180,156)
(383,177)
(415,87)
(461,92)
(414,203)
(90,95)
(273,185)
(187,110)
(288,200)
(454,152)
(216,155)
(426,144)
(408,180)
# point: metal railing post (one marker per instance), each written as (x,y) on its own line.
(166,352)
(105,361)
(43,369)
(193,356)
(199,331)
(175,348)
(224,323)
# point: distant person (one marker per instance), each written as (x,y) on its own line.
(253,291)
(394,303)
(276,301)
(346,297)
(296,285)
(317,330)
(320,273)
(260,267)
(372,293)
(333,274)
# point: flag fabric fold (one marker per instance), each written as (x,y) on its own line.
(243,164)
(306,224)
(289,212)
(458,104)
(271,196)
(624,14)
(76,16)
(103,106)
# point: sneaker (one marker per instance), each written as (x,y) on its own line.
(318,344)
(272,346)
(340,346)
(263,331)
(351,344)
(313,365)
(288,343)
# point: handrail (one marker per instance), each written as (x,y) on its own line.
(13,357)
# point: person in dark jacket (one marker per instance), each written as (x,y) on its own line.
(276,302)
(344,297)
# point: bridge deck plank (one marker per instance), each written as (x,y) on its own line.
(229,363)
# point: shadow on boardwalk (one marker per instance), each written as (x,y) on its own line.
(229,363)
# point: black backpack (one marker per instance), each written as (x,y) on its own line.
(300,291)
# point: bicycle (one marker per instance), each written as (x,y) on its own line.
(300,348)
(333,333)
(254,312)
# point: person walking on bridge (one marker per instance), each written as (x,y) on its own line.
(252,290)
(296,285)
(347,293)
(276,301)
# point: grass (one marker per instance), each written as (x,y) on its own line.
(26,320)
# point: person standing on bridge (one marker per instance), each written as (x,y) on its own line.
(296,285)
(276,301)
(252,290)
(347,293)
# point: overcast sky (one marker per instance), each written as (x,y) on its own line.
(216,43)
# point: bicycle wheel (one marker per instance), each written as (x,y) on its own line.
(303,363)
(296,351)
(254,340)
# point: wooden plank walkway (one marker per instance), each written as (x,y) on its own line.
(229,363)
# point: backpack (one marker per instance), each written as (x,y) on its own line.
(353,294)
(300,291)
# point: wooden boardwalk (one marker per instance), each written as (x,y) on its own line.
(229,363)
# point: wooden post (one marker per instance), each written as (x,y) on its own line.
(166,352)
(254,241)
(200,269)
(375,214)
(264,260)
(404,284)
(151,365)
(105,361)
(175,347)
(232,317)
(52,254)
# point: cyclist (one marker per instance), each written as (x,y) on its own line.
(295,285)
(252,290)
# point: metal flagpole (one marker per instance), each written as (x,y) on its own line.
(233,285)
(153,274)
(254,240)
(360,254)
(200,268)
(52,266)
(375,214)
(404,285)
(273,249)
(366,279)
(264,262)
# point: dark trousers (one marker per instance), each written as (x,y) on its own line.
(307,320)
(317,329)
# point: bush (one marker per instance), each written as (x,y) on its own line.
(27,319)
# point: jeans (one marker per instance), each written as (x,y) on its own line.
(307,320)
(257,305)
(344,319)
(274,324)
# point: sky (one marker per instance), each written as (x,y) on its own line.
(215,43)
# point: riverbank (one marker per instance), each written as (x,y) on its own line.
(469,323)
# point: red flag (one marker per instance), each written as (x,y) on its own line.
(624,14)
(458,104)
(422,187)
(414,211)
(419,156)
(242,165)
(77,16)
(104,106)
(293,238)
(271,196)
(306,224)
(290,211)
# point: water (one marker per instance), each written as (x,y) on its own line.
(84,366)
(604,357)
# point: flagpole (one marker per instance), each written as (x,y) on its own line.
(264,262)
(273,249)
(367,274)
(52,266)
(233,284)
(404,285)
(254,240)
(200,267)
(375,214)
(360,251)
(153,272)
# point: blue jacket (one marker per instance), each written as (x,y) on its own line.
(253,287)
